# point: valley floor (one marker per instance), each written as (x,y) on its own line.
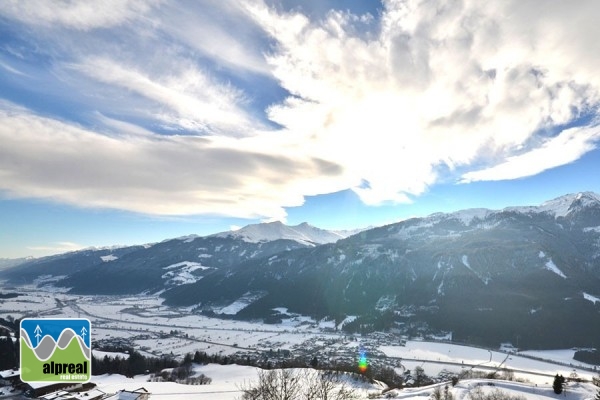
(156,330)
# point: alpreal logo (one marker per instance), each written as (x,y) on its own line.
(56,350)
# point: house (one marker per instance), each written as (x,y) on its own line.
(10,377)
(137,394)
(93,394)
(38,389)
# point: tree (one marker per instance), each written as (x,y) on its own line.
(275,384)
(437,393)
(325,386)
(8,353)
(496,394)
(420,377)
(558,383)
(286,384)
(314,362)
(447,393)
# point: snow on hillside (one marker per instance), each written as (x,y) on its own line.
(467,216)
(241,303)
(552,267)
(227,383)
(181,273)
(431,356)
(591,298)
(224,385)
(303,233)
(110,354)
(464,390)
(186,239)
(560,206)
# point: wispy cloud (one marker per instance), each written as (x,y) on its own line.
(175,175)
(11,69)
(220,31)
(563,149)
(77,15)
(188,97)
(56,247)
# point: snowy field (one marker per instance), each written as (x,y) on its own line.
(432,357)
(227,382)
(155,329)
(462,391)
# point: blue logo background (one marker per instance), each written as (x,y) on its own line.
(54,327)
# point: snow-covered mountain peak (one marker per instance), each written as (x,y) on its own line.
(266,232)
(468,215)
(562,205)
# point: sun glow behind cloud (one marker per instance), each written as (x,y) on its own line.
(379,104)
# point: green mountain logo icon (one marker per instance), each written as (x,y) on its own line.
(55,350)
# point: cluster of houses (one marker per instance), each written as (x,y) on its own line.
(10,383)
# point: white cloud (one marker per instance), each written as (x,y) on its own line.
(80,15)
(480,89)
(56,247)
(11,69)
(563,149)
(219,30)
(194,101)
(454,83)
(177,175)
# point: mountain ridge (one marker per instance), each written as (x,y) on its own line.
(486,275)
(303,233)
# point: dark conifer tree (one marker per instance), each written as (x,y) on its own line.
(557,385)
(8,353)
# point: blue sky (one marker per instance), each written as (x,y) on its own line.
(132,121)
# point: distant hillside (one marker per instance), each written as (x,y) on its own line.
(303,233)
(172,262)
(529,275)
(526,275)
(11,262)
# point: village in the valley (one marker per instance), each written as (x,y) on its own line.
(229,347)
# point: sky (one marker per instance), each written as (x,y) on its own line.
(132,121)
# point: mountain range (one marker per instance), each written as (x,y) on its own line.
(526,275)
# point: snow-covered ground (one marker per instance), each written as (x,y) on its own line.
(110,354)
(228,380)
(529,391)
(155,329)
(227,383)
(432,357)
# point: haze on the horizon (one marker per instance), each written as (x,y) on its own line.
(128,122)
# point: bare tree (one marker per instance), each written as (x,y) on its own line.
(325,385)
(437,393)
(275,384)
(286,384)
(508,374)
(447,393)
(496,394)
